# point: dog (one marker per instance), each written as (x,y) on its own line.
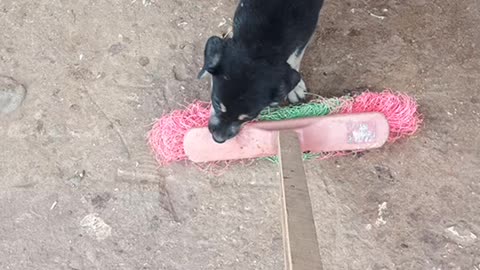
(259,65)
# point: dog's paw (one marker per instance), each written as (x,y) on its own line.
(298,94)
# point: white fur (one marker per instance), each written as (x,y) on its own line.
(295,59)
(300,91)
(243,117)
(223,108)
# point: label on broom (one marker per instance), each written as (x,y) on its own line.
(363,132)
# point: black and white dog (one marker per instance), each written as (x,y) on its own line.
(258,66)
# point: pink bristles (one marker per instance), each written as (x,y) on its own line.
(168,132)
(399,109)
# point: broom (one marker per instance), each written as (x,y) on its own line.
(167,135)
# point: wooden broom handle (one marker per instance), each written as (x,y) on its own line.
(299,234)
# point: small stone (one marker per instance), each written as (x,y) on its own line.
(126,39)
(40,127)
(143,61)
(116,48)
(100,201)
(75,107)
(460,235)
(96,227)
(75,180)
(12,94)
(76,263)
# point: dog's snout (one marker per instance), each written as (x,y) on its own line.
(217,138)
(222,130)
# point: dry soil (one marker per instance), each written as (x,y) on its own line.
(79,188)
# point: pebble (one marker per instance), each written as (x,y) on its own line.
(96,227)
(460,235)
(143,61)
(12,94)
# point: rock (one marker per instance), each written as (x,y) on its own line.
(76,263)
(101,200)
(12,94)
(96,227)
(143,61)
(116,48)
(460,235)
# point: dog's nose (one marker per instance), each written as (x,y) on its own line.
(218,139)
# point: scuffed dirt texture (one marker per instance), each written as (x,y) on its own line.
(80,190)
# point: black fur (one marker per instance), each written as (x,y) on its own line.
(250,71)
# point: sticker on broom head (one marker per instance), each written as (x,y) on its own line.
(363,132)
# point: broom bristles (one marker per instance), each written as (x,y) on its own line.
(167,134)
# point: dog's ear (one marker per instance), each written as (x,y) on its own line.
(213,56)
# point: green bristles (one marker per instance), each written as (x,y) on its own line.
(311,109)
(319,107)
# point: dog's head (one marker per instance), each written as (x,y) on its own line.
(242,85)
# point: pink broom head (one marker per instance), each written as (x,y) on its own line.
(167,134)
(401,111)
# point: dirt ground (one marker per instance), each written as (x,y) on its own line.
(79,188)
